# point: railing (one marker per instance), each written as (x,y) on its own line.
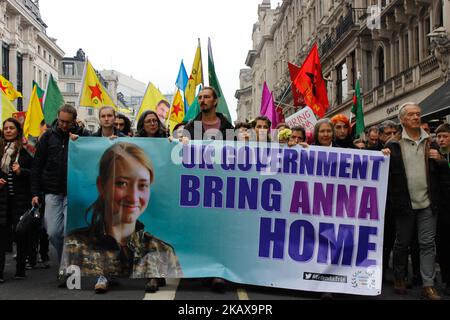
(332,40)
(380,91)
(388,86)
(408,75)
(368,98)
(398,81)
(428,66)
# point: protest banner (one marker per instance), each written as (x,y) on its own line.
(304,118)
(306,219)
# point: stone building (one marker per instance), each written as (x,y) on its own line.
(27,52)
(400,48)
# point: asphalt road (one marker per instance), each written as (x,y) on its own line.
(41,284)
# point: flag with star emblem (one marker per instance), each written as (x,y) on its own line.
(196,77)
(177,111)
(7,109)
(8,89)
(93,94)
(32,126)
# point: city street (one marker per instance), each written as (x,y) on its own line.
(41,285)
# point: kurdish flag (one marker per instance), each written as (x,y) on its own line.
(8,89)
(7,109)
(196,77)
(177,111)
(93,94)
(32,126)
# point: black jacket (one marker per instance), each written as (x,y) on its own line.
(399,199)
(224,126)
(49,170)
(22,197)
(117,133)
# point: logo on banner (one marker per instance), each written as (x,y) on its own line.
(364,279)
(309,276)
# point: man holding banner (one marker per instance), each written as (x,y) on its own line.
(49,173)
(414,188)
(210,122)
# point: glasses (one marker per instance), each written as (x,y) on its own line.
(65,123)
(151,121)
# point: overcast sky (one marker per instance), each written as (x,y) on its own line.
(148,39)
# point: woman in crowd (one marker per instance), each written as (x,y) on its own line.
(15,194)
(342,131)
(150,126)
(324,134)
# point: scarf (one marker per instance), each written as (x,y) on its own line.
(7,159)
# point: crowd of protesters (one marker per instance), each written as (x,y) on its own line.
(417,216)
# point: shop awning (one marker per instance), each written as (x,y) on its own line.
(437,105)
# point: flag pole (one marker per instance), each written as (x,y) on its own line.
(83,79)
(201,62)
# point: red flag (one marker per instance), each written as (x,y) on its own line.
(296,94)
(311,84)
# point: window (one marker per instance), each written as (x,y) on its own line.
(5,60)
(329,87)
(406,51)
(427,40)
(68,69)
(90,112)
(39,50)
(45,54)
(342,83)
(70,87)
(19,80)
(381,67)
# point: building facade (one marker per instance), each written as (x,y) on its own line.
(28,54)
(399,48)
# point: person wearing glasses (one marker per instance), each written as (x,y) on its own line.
(49,173)
(150,126)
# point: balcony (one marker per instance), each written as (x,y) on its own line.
(340,32)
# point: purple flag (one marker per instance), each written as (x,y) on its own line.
(268,107)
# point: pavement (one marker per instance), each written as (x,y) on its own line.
(41,284)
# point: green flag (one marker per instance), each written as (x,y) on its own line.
(214,82)
(53,101)
(358,111)
(40,92)
(193,111)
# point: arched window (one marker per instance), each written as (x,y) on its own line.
(381,66)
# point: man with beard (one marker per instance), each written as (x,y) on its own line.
(210,125)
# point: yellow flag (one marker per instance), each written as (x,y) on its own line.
(93,94)
(32,126)
(6,107)
(177,111)
(151,100)
(196,77)
(8,89)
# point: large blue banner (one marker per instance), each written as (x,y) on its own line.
(306,219)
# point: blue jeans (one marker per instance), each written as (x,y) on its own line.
(55,220)
(426,227)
